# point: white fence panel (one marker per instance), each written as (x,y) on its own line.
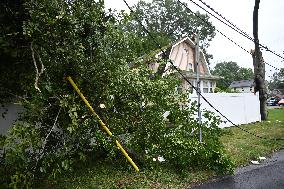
(240,108)
(12,115)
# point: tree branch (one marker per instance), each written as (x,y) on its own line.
(38,74)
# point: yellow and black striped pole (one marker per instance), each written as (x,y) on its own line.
(101,122)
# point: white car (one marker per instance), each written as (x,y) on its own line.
(281,102)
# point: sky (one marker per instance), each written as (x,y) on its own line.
(239,12)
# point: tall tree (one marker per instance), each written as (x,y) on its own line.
(230,71)
(277,80)
(168,21)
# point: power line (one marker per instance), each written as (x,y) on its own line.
(178,70)
(233,26)
(221,32)
(225,19)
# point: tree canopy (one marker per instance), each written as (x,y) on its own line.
(277,80)
(229,72)
(167,21)
(14,55)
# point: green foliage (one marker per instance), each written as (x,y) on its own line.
(227,90)
(14,54)
(242,147)
(230,71)
(277,81)
(56,131)
(184,149)
(167,21)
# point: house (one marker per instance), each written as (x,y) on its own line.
(243,86)
(182,54)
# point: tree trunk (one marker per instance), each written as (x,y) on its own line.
(259,66)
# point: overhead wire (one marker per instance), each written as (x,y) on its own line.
(182,75)
(233,26)
(186,7)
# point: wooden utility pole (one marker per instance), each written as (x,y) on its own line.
(259,66)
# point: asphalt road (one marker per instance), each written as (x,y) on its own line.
(268,175)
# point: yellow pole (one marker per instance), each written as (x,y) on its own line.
(101,122)
(89,106)
(126,155)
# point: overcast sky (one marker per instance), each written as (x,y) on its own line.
(271,29)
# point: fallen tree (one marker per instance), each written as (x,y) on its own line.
(56,131)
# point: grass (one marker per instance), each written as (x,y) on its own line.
(241,147)
(104,175)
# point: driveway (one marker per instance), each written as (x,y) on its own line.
(269,174)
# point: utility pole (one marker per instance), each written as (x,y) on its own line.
(259,66)
(198,84)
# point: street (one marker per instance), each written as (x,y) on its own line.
(269,174)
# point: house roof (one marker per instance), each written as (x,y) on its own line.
(156,54)
(192,44)
(242,83)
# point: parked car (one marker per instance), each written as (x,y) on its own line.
(273,101)
(281,102)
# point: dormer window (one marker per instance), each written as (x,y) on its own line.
(185,51)
(189,67)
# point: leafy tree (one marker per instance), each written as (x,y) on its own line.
(14,54)
(229,72)
(167,21)
(277,80)
(79,38)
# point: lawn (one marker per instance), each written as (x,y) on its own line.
(241,147)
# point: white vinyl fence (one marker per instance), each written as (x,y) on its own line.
(12,113)
(240,108)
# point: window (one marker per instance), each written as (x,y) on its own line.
(205,90)
(190,90)
(185,51)
(205,86)
(211,87)
(179,89)
(189,67)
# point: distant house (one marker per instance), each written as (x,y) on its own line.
(243,86)
(182,54)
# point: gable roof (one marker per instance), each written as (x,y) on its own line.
(156,55)
(168,50)
(242,83)
(192,44)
